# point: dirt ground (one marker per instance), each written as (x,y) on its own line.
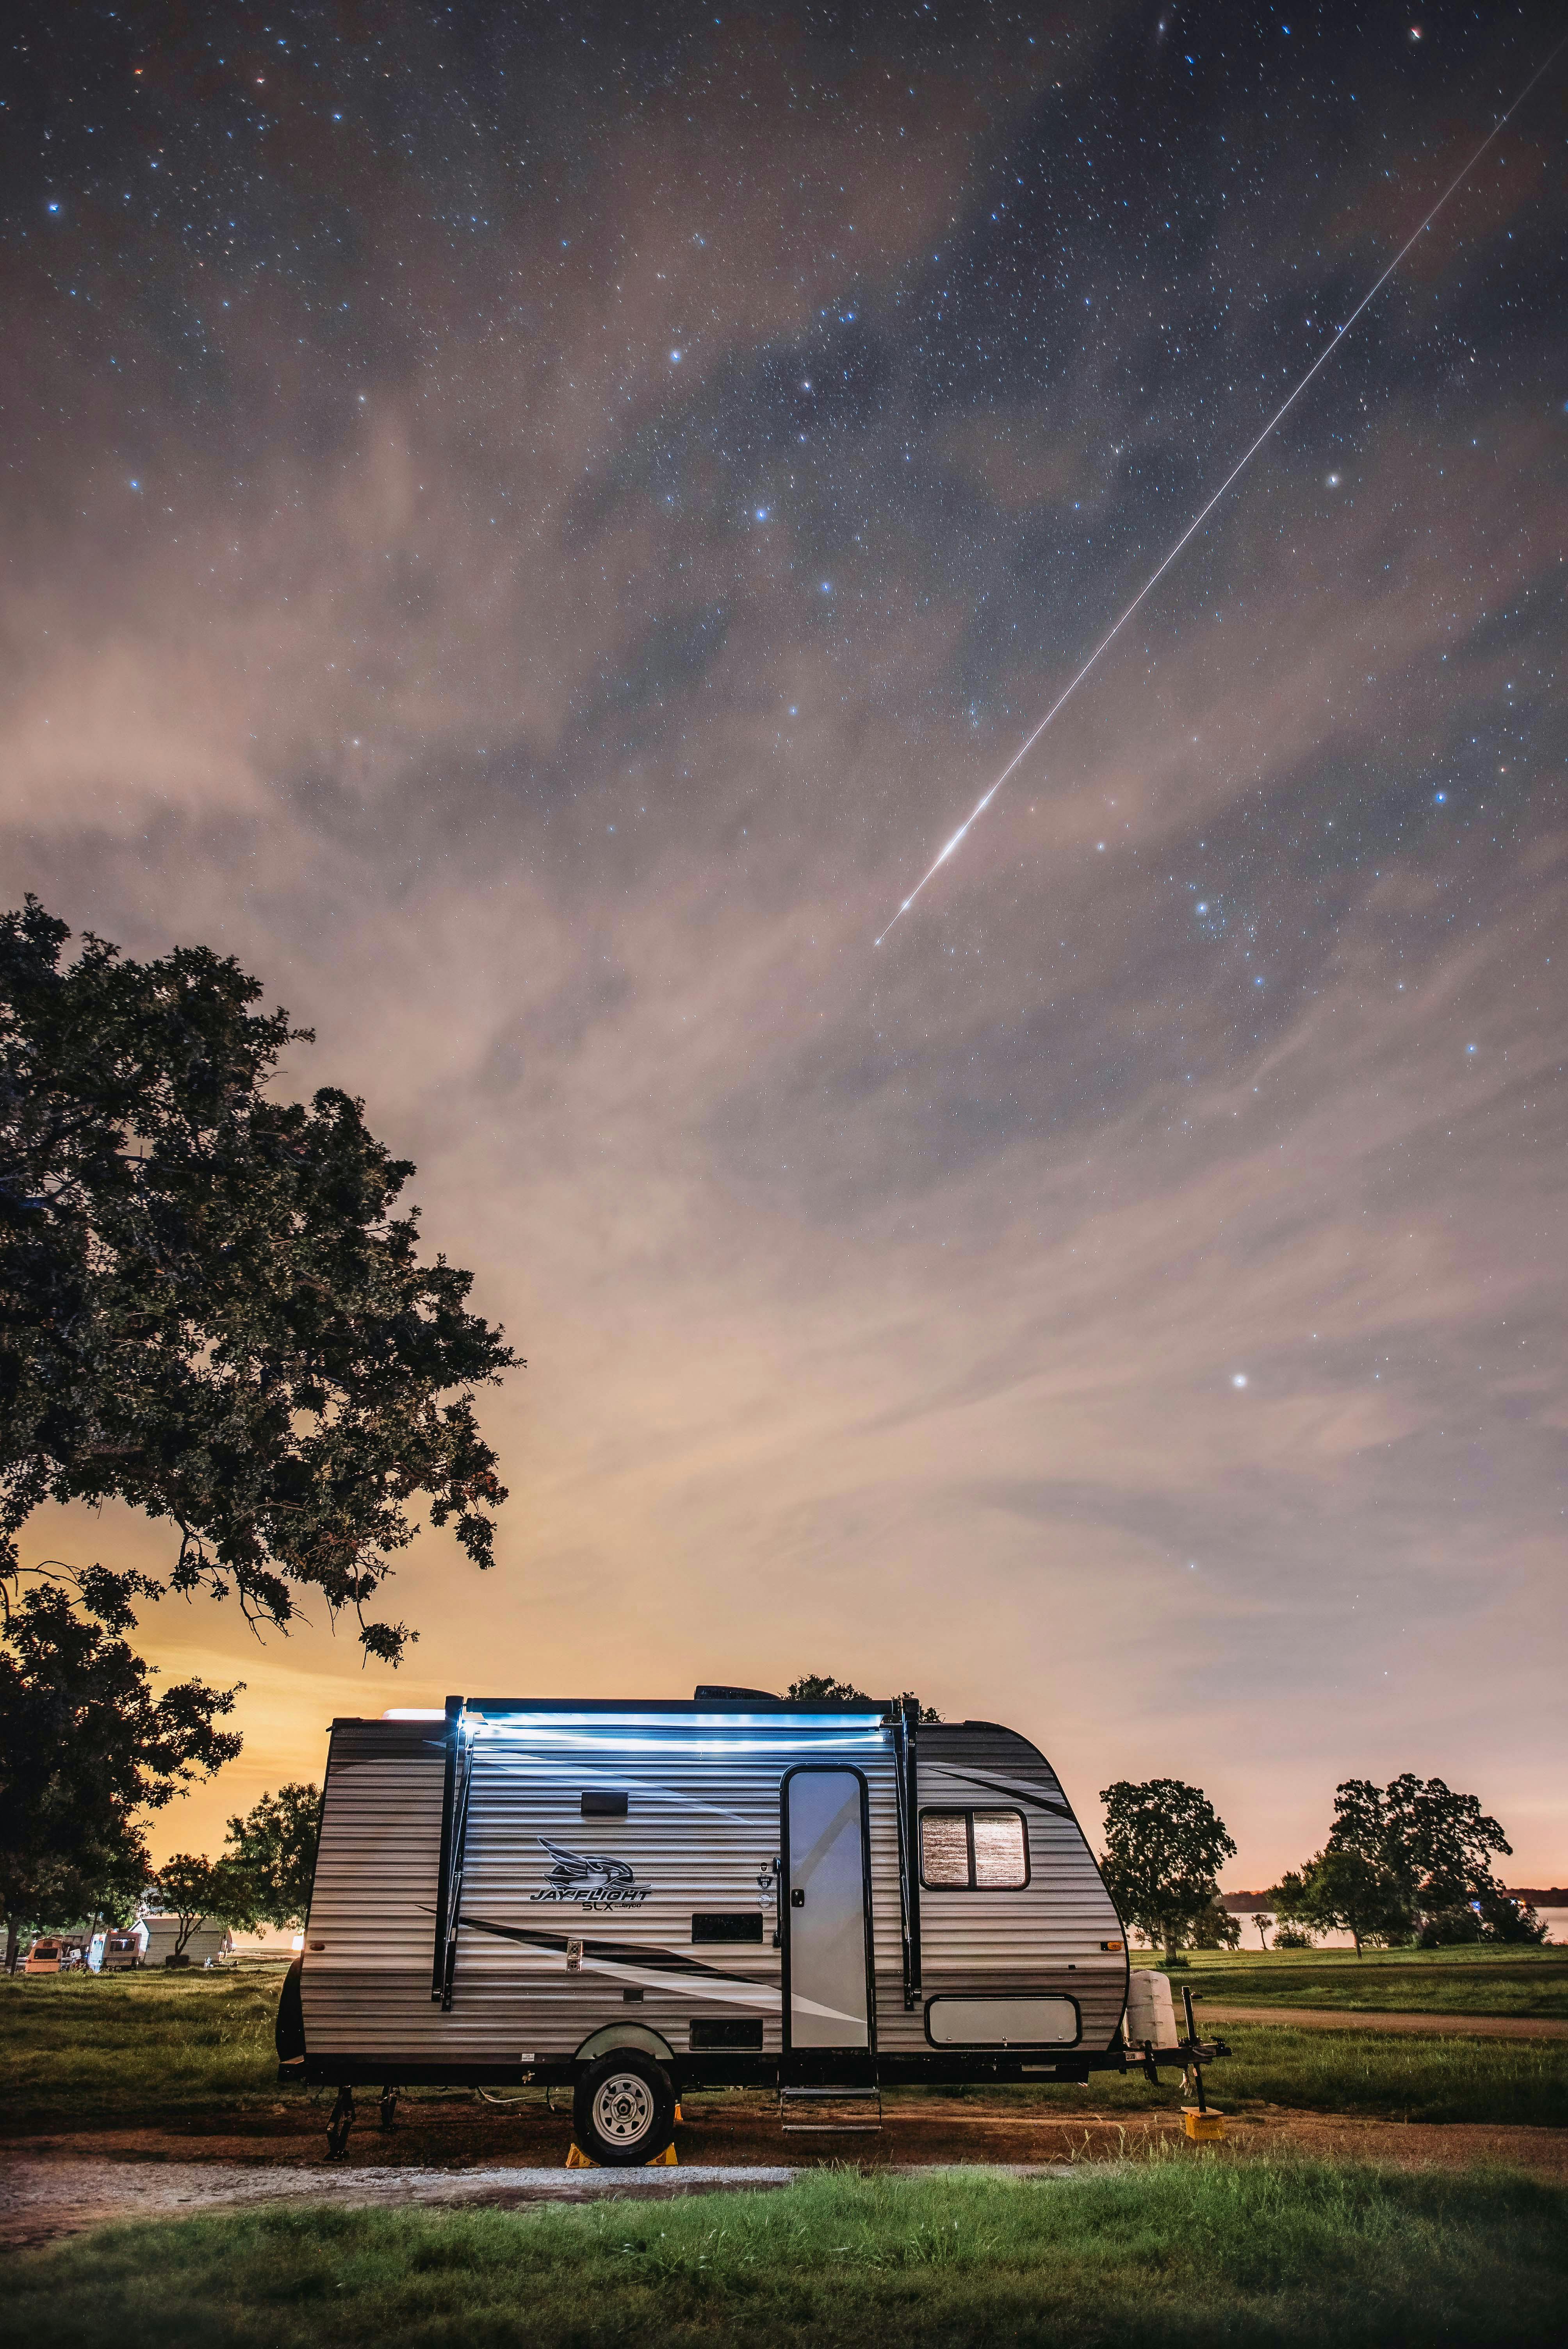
(457,2151)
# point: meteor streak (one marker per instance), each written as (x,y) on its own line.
(1236,470)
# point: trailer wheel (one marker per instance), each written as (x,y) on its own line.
(623,2109)
(288,2033)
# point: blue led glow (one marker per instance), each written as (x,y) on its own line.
(677,1723)
(784,1740)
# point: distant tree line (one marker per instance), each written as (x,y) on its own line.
(261,1877)
(1409,1862)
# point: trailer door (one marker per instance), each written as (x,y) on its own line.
(827,1945)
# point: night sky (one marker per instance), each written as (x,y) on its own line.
(530,528)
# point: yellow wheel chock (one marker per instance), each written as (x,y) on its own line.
(577,2159)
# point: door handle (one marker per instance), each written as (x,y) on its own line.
(796,1900)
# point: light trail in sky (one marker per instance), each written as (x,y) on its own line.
(1202,516)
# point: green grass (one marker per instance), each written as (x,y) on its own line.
(1527,1983)
(1522,2082)
(136,2046)
(1187,2250)
(156,2049)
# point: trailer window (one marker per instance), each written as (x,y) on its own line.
(944,1847)
(973,1851)
(1000,1858)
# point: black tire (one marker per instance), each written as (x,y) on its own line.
(623,2110)
(288,2032)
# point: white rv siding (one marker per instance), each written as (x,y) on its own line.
(370,1938)
(702,1825)
(1045,1937)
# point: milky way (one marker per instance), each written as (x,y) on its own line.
(513,529)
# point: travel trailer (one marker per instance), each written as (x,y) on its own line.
(637,1899)
(53,1954)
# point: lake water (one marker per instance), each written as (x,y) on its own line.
(1554,1919)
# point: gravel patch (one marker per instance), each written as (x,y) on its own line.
(40,2201)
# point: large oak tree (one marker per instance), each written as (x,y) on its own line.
(208,1307)
(87,1745)
(1165,1846)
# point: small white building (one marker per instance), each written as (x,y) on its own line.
(207,1941)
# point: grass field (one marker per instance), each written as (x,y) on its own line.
(183,2050)
(1531,1983)
(136,2045)
(1173,2251)
(1404,2078)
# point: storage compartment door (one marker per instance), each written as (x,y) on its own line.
(827,1908)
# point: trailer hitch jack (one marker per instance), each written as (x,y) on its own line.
(1194,2074)
(1200,2122)
(341,2122)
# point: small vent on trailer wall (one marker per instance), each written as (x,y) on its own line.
(604,1802)
(736,1925)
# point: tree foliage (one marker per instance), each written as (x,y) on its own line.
(197,1891)
(274,1848)
(1340,1888)
(1434,1847)
(1165,1845)
(1412,1858)
(817,1688)
(86,1745)
(208,1307)
(1214,1927)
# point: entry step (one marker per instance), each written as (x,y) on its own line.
(841,2110)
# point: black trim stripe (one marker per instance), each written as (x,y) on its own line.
(615,1953)
(1013,1794)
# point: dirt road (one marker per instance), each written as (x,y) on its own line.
(55,2186)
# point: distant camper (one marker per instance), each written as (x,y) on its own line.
(637,1898)
(53,1954)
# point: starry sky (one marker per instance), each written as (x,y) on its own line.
(530,527)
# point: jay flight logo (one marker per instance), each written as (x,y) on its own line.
(589,1879)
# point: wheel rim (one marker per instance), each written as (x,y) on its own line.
(623,2109)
